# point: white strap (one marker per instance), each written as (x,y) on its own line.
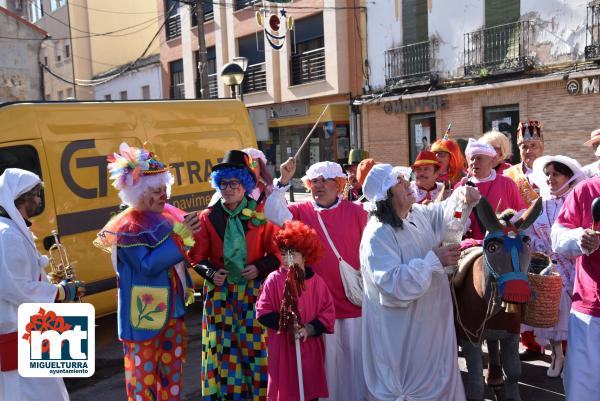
(333,248)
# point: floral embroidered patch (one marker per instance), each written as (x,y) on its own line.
(149,307)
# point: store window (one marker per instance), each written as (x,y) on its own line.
(506,120)
(422,133)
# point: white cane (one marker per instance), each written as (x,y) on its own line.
(299,366)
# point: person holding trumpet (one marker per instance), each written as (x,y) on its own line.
(23,280)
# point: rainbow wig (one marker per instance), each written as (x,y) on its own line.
(242,174)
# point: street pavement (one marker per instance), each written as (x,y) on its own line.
(108,381)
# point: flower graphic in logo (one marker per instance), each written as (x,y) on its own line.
(44,321)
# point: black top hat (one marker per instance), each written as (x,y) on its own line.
(236,159)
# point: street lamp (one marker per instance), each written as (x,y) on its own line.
(232,74)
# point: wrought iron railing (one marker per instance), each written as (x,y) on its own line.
(498,49)
(409,62)
(308,66)
(177,91)
(173,27)
(255,78)
(592,33)
(239,4)
(213,91)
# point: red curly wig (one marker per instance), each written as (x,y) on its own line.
(301,238)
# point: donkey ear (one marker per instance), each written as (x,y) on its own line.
(530,215)
(487,216)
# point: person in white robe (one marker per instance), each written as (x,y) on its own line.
(409,341)
(22,280)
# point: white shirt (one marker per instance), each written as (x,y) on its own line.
(409,340)
(20,275)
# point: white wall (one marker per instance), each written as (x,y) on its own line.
(384,31)
(560,27)
(558,33)
(448,22)
(132,82)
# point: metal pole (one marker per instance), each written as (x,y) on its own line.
(202,62)
(299,366)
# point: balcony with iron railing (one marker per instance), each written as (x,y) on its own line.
(592,33)
(173,28)
(308,66)
(255,78)
(408,64)
(499,49)
(240,4)
(213,92)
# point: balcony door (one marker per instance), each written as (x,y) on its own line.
(308,51)
(501,37)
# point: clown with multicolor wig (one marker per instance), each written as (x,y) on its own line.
(235,252)
(339,223)
(295,301)
(451,159)
(148,243)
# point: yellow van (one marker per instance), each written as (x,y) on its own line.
(66,144)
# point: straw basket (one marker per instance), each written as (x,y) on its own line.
(543,308)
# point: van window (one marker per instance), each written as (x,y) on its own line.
(21,156)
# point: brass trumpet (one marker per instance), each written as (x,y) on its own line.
(60,265)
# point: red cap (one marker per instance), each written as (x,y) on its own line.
(425,158)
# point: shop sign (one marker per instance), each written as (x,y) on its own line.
(416,105)
(291,109)
(583,86)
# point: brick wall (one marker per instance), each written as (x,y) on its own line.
(567,120)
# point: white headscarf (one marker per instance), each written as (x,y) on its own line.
(255,154)
(14,182)
(475,147)
(379,180)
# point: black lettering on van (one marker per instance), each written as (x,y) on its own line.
(177,166)
(193,168)
(208,167)
(84,162)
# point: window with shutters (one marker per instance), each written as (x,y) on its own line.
(253,48)
(503,44)
(412,60)
(307,62)
(176,73)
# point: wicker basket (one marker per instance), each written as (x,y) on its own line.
(543,308)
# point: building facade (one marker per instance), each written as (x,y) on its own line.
(499,62)
(142,82)
(88,41)
(285,90)
(20,74)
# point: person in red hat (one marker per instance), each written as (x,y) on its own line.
(425,186)
(593,169)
